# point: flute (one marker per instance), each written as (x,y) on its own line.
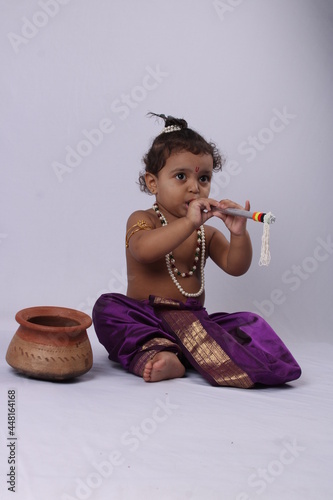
(268,217)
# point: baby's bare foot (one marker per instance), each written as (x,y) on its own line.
(164,365)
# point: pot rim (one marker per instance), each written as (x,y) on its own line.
(24,315)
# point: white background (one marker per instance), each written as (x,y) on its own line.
(229,68)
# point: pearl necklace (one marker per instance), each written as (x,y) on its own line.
(170,261)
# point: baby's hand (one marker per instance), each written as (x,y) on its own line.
(200,210)
(236,225)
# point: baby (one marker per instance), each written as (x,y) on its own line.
(161,326)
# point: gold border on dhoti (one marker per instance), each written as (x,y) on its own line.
(205,350)
(148,352)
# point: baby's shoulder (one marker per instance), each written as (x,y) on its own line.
(142,216)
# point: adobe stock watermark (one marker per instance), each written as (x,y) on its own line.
(75,155)
(116,284)
(121,107)
(277,124)
(130,440)
(225,7)
(220,180)
(295,276)
(264,477)
(31,27)
(251,147)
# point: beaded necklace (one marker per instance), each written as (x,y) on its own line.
(171,263)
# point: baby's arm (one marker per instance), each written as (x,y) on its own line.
(151,245)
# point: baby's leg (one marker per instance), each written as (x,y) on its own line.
(163,366)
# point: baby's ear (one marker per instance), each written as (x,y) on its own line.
(151,182)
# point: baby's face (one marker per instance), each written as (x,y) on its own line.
(184,177)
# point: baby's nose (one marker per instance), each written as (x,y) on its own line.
(194,186)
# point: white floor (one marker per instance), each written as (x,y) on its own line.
(109,435)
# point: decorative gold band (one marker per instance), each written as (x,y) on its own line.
(205,350)
(141,225)
(150,349)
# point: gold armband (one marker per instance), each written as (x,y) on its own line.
(141,225)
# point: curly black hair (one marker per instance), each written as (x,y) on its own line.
(168,143)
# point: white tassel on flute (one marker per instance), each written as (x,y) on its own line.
(267,218)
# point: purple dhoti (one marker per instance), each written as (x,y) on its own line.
(237,350)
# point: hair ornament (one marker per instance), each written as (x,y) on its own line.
(170,128)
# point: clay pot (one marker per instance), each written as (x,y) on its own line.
(51,343)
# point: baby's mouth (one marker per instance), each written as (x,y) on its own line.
(187,203)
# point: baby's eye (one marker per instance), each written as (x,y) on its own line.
(205,178)
(180,176)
